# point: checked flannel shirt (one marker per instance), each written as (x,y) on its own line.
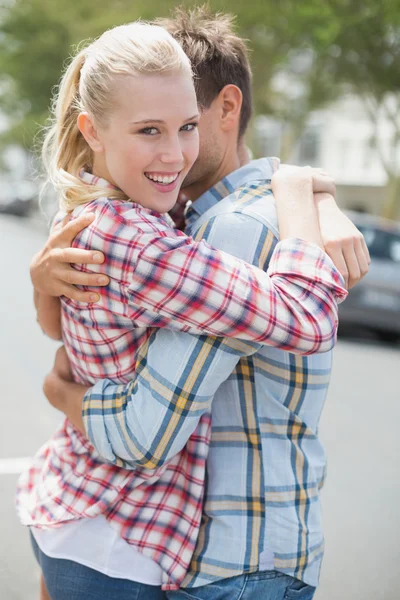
(161,278)
(266,464)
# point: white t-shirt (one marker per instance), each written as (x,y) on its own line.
(95,544)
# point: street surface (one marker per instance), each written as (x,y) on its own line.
(361,500)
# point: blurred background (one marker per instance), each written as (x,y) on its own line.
(327,93)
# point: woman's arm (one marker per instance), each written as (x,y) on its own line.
(48,311)
(174,281)
(188,285)
(52,268)
(295,206)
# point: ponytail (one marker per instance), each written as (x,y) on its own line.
(65,151)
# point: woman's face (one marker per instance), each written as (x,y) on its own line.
(151,138)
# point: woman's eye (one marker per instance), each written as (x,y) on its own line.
(190,126)
(149,130)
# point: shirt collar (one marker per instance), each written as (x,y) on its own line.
(94,180)
(263,168)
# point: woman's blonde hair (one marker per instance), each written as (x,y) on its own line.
(88,85)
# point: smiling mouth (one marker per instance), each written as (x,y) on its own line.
(162,179)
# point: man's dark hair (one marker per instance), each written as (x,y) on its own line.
(218,56)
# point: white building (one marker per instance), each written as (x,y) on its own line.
(338,139)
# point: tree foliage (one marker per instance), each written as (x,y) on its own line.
(313,49)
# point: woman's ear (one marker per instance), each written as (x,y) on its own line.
(89,131)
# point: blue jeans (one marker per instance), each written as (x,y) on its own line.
(264,585)
(68,580)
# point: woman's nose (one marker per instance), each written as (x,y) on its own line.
(172,152)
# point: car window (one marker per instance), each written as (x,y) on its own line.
(381,244)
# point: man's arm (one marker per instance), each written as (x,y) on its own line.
(48,312)
(149,420)
(47,289)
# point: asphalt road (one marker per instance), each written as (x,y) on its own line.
(361,500)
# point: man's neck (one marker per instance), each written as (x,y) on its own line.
(243,154)
(230,163)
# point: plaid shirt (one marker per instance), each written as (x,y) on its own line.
(161,278)
(266,463)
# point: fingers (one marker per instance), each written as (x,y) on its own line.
(352,264)
(323,183)
(351,260)
(73,277)
(336,254)
(77,256)
(65,220)
(293,177)
(73,293)
(71,229)
(363,257)
(59,226)
(365,250)
(66,279)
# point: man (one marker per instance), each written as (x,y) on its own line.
(261,531)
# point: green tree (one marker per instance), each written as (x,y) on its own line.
(358,48)
(317,48)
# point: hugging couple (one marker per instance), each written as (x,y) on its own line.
(196,292)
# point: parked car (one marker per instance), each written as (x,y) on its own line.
(18,207)
(375,302)
(17,198)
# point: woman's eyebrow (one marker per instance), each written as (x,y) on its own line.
(160,121)
(146,121)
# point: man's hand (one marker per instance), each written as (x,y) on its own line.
(51,271)
(342,241)
(62,392)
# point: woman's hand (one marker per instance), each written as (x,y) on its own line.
(322,182)
(341,239)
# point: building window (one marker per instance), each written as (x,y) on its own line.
(268,136)
(309,146)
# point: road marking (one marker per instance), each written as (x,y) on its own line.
(13,466)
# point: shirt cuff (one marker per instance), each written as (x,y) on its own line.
(299,258)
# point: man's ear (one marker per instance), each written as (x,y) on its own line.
(230,99)
(89,131)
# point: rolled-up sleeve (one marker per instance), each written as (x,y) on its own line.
(188,285)
(149,420)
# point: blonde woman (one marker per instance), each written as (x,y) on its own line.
(123,140)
